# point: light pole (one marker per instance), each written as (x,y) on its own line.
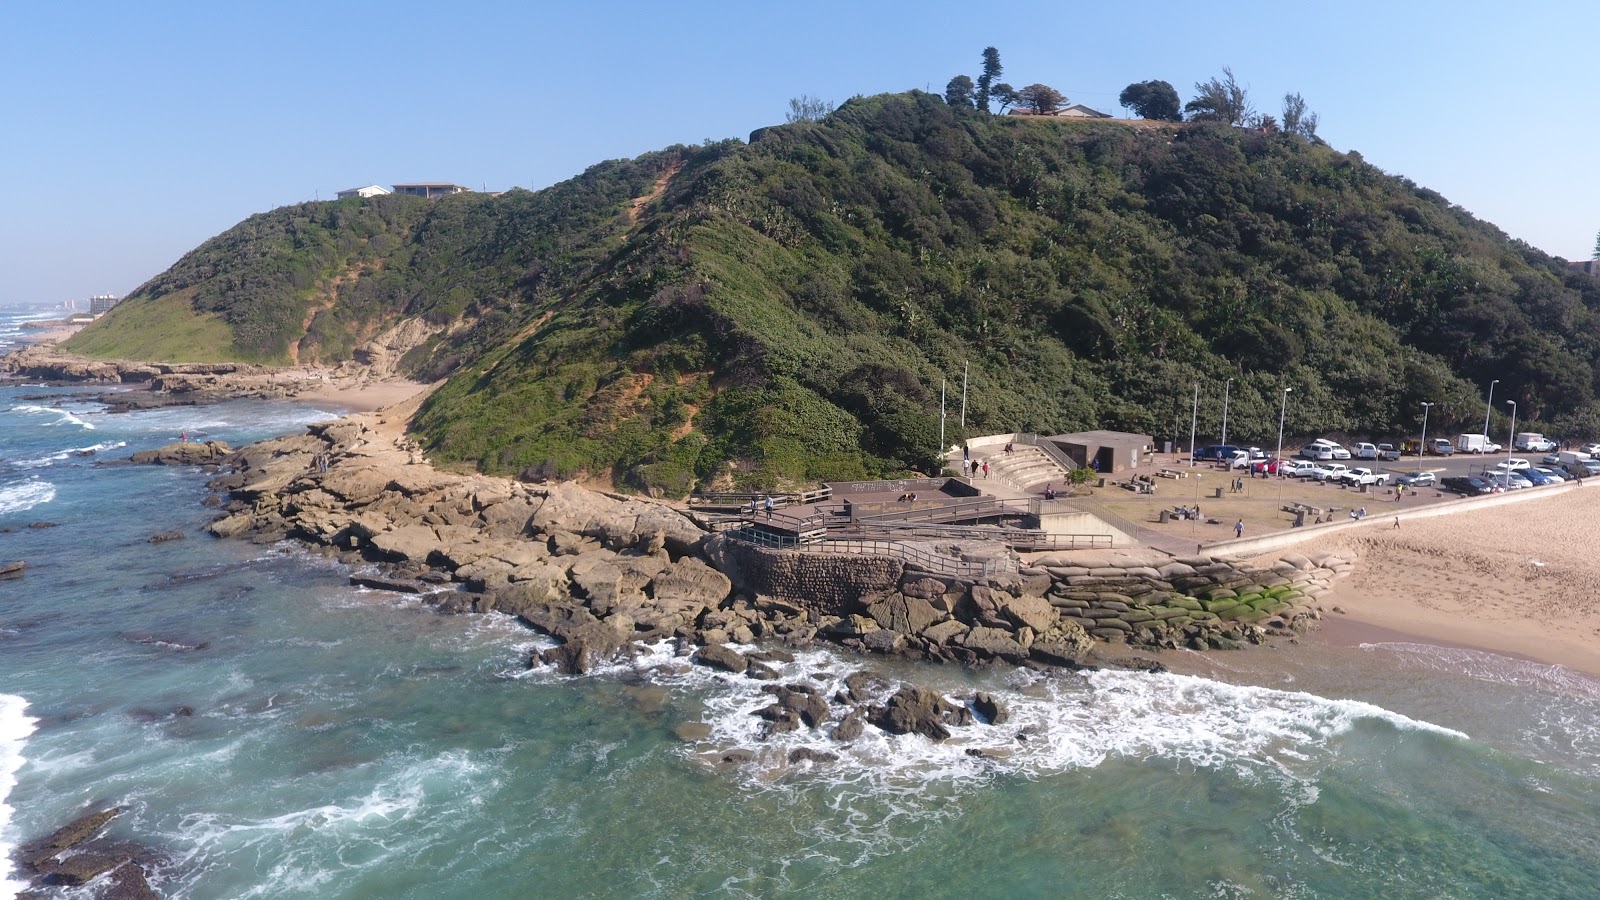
(1510,449)
(1225,388)
(1423,446)
(1487,407)
(1194,418)
(1282,408)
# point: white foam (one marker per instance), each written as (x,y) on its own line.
(1058,723)
(63,417)
(23,496)
(59,455)
(15,726)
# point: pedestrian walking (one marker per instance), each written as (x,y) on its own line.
(986,468)
(1396,523)
(768,505)
(1238,529)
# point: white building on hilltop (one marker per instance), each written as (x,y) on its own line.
(371,190)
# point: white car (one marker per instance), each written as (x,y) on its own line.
(1515,464)
(1293,467)
(1591,449)
(1327,472)
(1318,450)
(1365,450)
(1340,452)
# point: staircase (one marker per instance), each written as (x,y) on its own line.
(1026,468)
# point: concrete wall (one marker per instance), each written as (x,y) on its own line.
(1083,523)
(831,584)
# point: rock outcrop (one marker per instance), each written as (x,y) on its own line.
(187,453)
(76,854)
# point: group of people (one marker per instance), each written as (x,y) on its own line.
(320,462)
(1186,512)
(909,497)
(971,467)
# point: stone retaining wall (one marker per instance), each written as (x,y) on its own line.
(829,584)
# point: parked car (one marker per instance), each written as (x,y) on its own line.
(1293,467)
(1340,452)
(1552,459)
(1364,450)
(1317,450)
(1584,468)
(1388,452)
(1272,466)
(1417,479)
(1333,472)
(1364,475)
(1442,447)
(1554,474)
(1476,443)
(1510,481)
(1467,485)
(1533,442)
(1590,449)
(1515,464)
(1538,477)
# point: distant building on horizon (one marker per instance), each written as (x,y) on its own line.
(430,189)
(1589,267)
(1075,111)
(101,304)
(371,190)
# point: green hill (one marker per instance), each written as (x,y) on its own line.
(785,309)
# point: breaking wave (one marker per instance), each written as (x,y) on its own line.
(15,726)
(25,495)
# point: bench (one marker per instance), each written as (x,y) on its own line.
(1168,473)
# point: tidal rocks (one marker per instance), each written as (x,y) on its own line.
(12,569)
(915,710)
(183,454)
(721,657)
(75,854)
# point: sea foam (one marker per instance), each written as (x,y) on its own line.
(63,417)
(1058,723)
(23,496)
(15,726)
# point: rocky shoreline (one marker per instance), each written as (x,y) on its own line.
(174,384)
(604,574)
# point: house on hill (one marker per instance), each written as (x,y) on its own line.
(371,190)
(1075,111)
(430,189)
(1590,267)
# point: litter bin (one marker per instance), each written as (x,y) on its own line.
(1217,494)
(1102,482)
(1166,516)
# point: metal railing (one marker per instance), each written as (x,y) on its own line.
(745,498)
(933,562)
(1015,538)
(1050,450)
(966,509)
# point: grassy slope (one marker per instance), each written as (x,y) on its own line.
(164,328)
(785,310)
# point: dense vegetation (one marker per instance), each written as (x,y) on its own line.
(785,309)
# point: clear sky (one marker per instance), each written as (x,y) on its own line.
(134,131)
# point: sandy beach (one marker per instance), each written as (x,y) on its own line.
(366,396)
(1519,579)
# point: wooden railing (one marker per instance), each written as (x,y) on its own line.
(745,498)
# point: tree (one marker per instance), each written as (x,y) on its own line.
(1041,98)
(1597,245)
(806,108)
(1296,119)
(1152,100)
(1079,477)
(1220,101)
(959,91)
(986,81)
(1005,95)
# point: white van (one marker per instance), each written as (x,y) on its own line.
(1318,449)
(1365,450)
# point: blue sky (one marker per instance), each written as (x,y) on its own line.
(135,131)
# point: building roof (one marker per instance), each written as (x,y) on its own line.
(365,187)
(429,184)
(1104,438)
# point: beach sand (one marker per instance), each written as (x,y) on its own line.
(1520,579)
(365,396)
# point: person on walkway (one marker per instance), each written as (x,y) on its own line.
(1396,523)
(986,468)
(768,505)
(1238,529)
(966,468)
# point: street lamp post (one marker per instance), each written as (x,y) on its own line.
(1282,408)
(1510,449)
(1422,447)
(1194,418)
(1487,407)
(1225,388)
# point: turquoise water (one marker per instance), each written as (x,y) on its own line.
(277,733)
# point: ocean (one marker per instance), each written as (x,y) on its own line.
(275,732)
